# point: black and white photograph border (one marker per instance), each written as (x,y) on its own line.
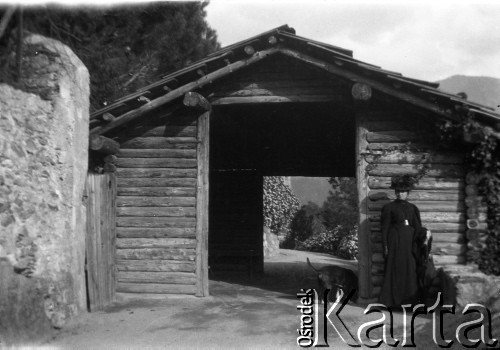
(182,177)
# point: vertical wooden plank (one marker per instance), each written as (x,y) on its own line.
(112,239)
(100,240)
(364,241)
(90,242)
(202,206)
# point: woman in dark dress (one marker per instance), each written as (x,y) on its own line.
(400,222)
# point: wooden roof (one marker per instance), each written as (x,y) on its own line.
(283,40)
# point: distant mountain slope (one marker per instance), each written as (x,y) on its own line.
(313,189)
(483,90)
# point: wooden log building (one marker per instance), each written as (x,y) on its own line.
(180,163)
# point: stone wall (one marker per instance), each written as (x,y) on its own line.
(43,167)
(271,243)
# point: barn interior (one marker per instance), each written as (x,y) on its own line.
(248,142)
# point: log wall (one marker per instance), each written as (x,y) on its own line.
(156,202)
(400,144)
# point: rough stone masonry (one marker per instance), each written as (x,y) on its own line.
(43,167)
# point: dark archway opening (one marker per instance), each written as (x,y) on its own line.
(248,142)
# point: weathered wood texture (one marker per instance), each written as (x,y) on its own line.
(202,205)
(100,240)
(270,82)
(156,205)
(396,145)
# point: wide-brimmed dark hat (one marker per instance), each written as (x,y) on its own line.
(403,182)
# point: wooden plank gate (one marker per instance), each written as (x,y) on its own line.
(100,240)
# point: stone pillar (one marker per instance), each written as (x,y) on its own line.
(43,167)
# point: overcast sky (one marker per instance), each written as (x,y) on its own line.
(429,40)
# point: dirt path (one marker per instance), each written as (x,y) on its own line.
(238,314)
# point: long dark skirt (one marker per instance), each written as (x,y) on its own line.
(400,282)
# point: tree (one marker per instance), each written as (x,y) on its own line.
(127,47)
(341,206)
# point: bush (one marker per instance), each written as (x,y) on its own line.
(340,242)
(348,246)
(324,242)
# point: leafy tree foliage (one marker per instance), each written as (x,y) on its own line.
(307,222)
(280,203)
(127,47)
(341,206)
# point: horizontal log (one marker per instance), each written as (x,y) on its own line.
(132,243)
(156,172)
(435,227)
(410,146)
(399,136)
(134,201)
(155,288)
(389,121)
(438,237)
(276,99)
(172,131)
(156,277)
(418,195)
(425,206)
(429,217)
(167,232)
(440,260)
(155,182)
(156,265)
(416,158)
(157,191)
(436,170)
(158,222)
(283,91)
(475,201)
(438,248)
(156,163)
(161,142)
(426,183)
(447,248)
(156,211)
(156,254)
(280,83)
(157,153)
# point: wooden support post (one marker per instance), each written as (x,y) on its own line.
(194,99)
(103,144)
(364,239)
(202,206)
